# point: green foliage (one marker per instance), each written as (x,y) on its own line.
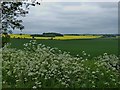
(52,34)
(10,13)
(39,66)
(9,17)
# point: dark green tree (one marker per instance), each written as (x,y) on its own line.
(10,13)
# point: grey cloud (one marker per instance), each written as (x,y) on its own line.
(90,18)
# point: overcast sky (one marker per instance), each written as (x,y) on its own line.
(72,17)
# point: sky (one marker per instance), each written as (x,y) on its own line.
(72,18)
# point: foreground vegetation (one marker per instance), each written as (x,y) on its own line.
(40,66)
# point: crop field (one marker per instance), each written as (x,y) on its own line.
(65,37)
(47,44)
(94,47)
(40,66)
(78,63)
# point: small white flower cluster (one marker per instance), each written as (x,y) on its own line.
(111,61)
(38,66)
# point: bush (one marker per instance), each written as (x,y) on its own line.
(40,66)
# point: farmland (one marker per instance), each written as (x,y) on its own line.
(59,45)
(65,37)
(72,63)
(94,47)
(43,67)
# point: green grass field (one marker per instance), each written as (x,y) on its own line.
(94,47)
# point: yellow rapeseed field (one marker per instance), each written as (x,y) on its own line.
(66,37)
(42,37)
(20,36)
(76,37)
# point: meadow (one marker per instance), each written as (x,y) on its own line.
(78,63)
